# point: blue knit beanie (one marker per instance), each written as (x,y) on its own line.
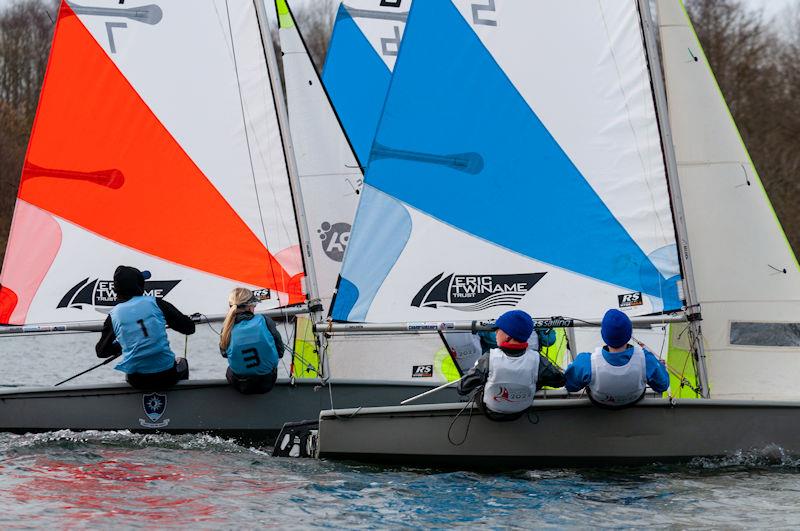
(616,328)
(517,324)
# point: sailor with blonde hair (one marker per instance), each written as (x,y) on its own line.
(251,344)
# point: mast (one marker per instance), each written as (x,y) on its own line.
(660,95)
(291,163)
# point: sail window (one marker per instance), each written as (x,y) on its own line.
(765,334)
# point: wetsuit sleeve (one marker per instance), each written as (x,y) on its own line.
(657,375)
(475,377)
(579,373)
(550,374)
(488,340)
(547,337)
(276,336)
(108,345)
(182,324)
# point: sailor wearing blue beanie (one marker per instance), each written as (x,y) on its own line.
(616,328)
(506,378)
(617,374)
(516,324)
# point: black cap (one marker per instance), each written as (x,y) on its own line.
(129,282)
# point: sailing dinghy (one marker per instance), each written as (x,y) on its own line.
(161,141)
(654,209)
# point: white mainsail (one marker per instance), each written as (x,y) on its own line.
(331,180)
(502,179)
(329,173)
(746,275)
(156,144)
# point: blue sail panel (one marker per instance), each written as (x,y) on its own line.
(458,142)
(357,80)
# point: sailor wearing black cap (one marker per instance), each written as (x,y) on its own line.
(136,328)
(617,374)
(510,374)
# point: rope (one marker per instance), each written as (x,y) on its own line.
(471,402)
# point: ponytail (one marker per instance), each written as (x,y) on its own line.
(236,301)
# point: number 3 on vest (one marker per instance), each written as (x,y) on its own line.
(252,360)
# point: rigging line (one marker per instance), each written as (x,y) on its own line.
(630,121)
(257,139)
(471,402)
(249,149)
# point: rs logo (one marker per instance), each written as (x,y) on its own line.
(422,371)
(627,300)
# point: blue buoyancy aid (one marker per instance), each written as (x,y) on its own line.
(140,327)
(252,348)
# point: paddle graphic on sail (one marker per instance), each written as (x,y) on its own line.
(358,66)
(129,162)
(475,134)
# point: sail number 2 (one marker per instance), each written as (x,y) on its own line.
(487,6)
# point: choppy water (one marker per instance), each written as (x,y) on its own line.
(104,479)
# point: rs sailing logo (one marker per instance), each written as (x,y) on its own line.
(628,300)
(472,293)
(101,295)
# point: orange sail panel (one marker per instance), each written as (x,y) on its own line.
(101,159)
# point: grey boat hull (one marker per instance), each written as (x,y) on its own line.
(560,432)
(195,406)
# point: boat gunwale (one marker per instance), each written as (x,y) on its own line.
(447,409)
(120,388)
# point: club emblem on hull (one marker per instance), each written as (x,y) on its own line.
(154,404)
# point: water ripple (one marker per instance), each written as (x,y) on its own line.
(104,479)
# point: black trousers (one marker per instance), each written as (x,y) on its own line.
(158,381)
(256,384)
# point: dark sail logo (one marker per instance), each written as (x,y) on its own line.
(101,295)
(473,293)
(334,238)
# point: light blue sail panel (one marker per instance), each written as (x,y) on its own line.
(388,225)
(458,142)
(357,80)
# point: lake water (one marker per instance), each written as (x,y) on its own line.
(105,479)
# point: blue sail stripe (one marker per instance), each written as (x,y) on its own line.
(357,80)
(450,97)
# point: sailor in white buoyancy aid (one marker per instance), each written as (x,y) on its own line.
(617,374)
(509,375)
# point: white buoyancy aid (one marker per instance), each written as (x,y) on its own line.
(618,386)
(467,346)
(511,383)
